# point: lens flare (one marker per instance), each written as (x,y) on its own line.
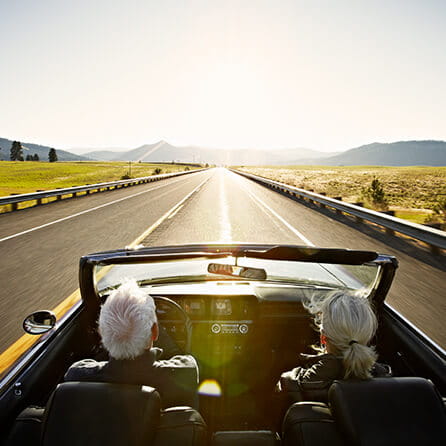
(209,387)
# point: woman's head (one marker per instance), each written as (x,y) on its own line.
(348,323)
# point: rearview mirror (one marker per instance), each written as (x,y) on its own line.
(237,271)
(39,322)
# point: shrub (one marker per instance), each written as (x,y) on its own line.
(157,171)
(439,215)
(375,196)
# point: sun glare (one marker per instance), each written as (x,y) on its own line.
(210,387)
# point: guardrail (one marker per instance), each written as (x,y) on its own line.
(14,200)
(434,238)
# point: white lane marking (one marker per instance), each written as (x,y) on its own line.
(170,213)
(176,212)
(86,211)
(281,219)
(225,224)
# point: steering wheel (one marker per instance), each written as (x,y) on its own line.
(176,324)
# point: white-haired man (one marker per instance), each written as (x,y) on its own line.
(128,328)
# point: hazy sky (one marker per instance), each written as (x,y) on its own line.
(327,75)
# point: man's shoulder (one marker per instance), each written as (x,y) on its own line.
(177,361)
(84,369)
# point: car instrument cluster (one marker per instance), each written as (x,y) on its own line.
(218,308)
(213,315)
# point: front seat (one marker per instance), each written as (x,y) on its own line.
(378,412)
(88,413)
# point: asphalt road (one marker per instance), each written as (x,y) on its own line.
(38,269)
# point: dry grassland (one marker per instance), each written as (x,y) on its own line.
(411,191)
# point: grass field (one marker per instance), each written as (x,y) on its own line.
(18,177)
(411,192)
(21,177)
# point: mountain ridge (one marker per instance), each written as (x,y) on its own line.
(39,149)
(399,153)
(162,151)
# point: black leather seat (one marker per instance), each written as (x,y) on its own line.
(88,413)
(380,411)
(310,424)
(101,413)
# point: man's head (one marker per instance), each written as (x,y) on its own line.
(127,322)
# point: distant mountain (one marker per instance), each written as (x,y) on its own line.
(42,151)
(402,153)
(83,150)
(162,151)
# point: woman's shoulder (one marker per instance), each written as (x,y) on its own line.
(325,367)
(380,370)
(329,360)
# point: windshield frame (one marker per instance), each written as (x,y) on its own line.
(92,301)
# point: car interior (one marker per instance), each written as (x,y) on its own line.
(243,334)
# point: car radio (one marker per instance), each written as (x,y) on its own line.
(229,328)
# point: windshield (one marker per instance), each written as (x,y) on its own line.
(354,277)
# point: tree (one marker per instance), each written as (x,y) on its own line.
(375,195)
(29,158)
(52,156)
(16,151)
(36,157)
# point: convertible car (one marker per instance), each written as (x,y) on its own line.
(238,309)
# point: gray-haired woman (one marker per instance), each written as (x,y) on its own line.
(347,324)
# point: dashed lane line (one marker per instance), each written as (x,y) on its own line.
(169,213)
(86,211)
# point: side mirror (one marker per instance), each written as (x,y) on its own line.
(39,322)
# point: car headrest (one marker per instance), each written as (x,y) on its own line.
(90,413)
(388,411)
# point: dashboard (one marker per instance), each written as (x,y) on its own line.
(219,307)
(234,333)
(233,319)
(212,314)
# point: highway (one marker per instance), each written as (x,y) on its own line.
(41,246)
